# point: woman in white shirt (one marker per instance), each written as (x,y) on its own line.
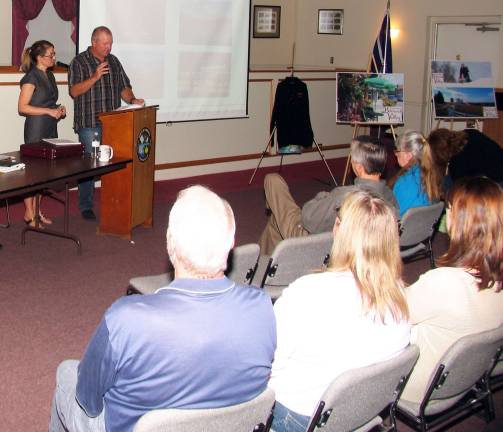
(463,296)
(352,315)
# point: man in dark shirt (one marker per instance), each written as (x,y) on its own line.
(202,341)
(97,84)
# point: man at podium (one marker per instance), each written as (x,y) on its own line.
(97,84)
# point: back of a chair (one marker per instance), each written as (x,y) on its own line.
(254,415)
(462,366)
(293,258)
(242,263)
(358,396)
(418,224)
(241,266)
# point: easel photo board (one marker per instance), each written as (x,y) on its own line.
(127,195)
(369,99)
(462,91)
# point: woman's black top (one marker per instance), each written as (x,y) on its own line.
(37,127)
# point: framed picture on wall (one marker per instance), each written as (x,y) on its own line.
(330,21)
(266,21)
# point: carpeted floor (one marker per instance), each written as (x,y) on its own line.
(52,299)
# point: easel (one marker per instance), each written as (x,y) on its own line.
(451,122)
(266,151)
(357,126)
(269,141)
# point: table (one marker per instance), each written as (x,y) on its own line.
(41,174)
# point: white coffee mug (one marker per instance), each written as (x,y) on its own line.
(106,153)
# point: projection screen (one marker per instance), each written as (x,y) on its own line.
(190,57)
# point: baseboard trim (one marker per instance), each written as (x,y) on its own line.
(237,158)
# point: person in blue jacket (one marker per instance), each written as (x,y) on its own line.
(419,181)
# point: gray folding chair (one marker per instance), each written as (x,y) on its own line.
(459,385)
(417,228)
(241,267)
(293,258)
(496,379)
(354,400)
(251,416)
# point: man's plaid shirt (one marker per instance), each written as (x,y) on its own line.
(103,96)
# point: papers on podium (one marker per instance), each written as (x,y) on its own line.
(60,141)
(127,107)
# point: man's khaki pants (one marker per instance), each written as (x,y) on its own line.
(285,220)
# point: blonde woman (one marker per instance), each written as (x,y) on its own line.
(38,103)
(463,295)
(352,315)
(419,182)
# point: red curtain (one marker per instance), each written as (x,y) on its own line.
(22,12)
(67,11)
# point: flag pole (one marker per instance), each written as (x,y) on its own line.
(385,57)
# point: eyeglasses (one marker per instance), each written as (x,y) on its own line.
(53,55)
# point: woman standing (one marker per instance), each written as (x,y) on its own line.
(352,315)
(419,182)
(463,296)
(38,103)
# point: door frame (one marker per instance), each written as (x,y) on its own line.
(431,47)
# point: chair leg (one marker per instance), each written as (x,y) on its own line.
(430,253)
(6,225)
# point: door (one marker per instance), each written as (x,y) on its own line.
(462,38)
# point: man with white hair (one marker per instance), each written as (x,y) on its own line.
(200,342)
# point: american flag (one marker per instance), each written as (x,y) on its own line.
(382,59)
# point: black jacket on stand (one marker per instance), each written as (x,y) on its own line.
(290,114)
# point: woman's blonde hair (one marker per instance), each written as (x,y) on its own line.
(366,243)
(431,175)
(30,54)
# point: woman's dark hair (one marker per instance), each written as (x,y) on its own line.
(30,54)
(476,230)
(445,144)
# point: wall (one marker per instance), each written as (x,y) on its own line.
(5,32)
(180,144)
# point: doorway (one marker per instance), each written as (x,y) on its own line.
(461,38)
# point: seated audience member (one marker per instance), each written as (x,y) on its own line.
(467,153)
(352,315)
(202,341)
(368,160)
(419,182)
(463,295)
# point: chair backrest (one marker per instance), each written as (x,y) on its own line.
(461,367)
(245,417)
(418,224)
(358,396)
(293,258)
(242,263)
(241,266)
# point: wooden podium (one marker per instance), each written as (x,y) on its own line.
(127,195)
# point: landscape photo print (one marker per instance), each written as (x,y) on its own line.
(370,98)
(462,89)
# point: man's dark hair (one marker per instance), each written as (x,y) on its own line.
(368,152)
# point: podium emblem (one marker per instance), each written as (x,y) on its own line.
(144,144)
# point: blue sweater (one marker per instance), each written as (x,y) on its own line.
(194,344)
(409,191)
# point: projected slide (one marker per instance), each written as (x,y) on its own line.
(190,57)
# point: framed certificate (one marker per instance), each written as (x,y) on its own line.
(266,21)
(330,21)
